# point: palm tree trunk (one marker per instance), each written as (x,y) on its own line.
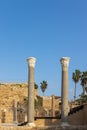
(43,94)
(84,90)
(75,92)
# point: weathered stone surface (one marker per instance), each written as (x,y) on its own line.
(64,89)
(43,128)
(8,93)
(30,113)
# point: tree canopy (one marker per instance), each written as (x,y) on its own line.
(76,78)
(43,86)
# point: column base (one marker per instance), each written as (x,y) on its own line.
(31,124)
(65,124)
(15,122)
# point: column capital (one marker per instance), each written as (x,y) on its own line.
(65,62)
(31,61)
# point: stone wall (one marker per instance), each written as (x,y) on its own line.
(15,91)
(18,92)
(50,105)
(80,117)
(47,122)
(6,116)
(9,92)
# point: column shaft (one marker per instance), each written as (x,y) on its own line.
(53,105)
(15,111)
(64,89)
(30,112)
(31,95)
(64,94)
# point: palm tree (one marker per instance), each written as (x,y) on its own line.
(35,86)
(43,86)
(83,80)
(76,78)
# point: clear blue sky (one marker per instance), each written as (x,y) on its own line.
(46,30)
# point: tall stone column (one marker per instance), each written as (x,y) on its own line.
(30,114)
(64,90)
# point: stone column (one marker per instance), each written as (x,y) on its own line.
(53,105)
(30,114)
(14,111)
(4,116)
(64,90)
